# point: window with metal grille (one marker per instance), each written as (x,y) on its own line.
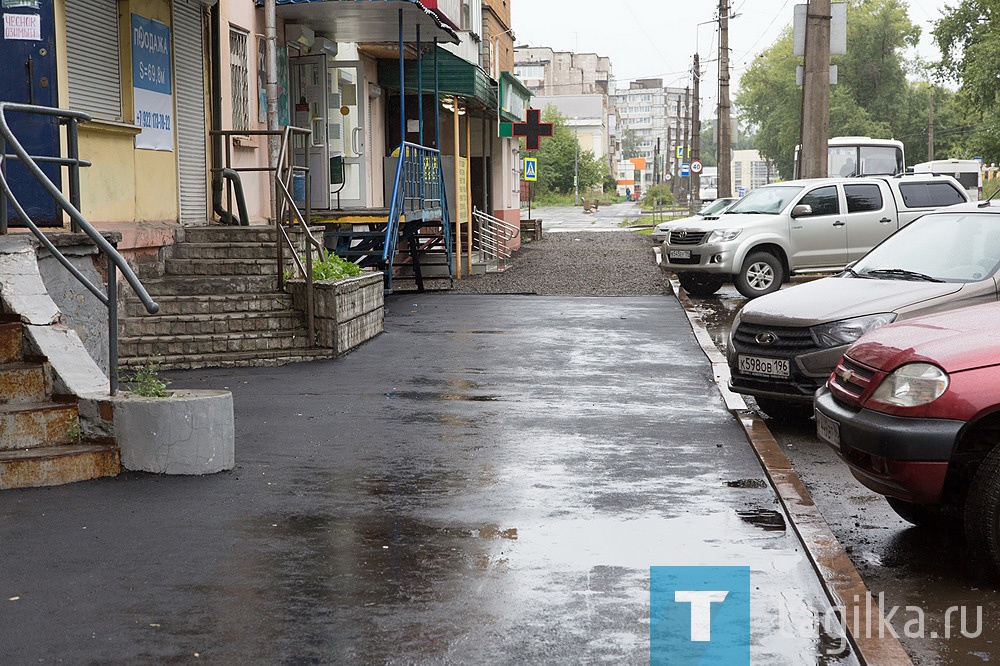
(239,65)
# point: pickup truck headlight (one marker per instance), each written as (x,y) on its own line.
(911,385)
(846,331)
(723,235)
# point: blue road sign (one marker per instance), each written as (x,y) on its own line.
(530,168)
(685,169)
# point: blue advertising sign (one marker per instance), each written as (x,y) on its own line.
(152,81)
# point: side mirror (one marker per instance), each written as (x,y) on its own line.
(802,210)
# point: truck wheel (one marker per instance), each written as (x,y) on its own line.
(785,411)
(700,284)
(761,274)
(982,513)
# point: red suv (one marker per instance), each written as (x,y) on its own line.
(914,409)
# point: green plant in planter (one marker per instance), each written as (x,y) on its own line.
(147,383)
(330,267)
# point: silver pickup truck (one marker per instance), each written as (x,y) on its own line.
(800,226)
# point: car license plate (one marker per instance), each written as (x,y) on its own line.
(764,367)
(679,254)
(827,429)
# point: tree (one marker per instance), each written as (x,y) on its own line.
(559,158)
(630,144)
(871,89)
(969,38)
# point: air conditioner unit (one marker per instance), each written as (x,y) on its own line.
(299,34)
(324,45)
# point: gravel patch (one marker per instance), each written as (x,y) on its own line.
(611,263)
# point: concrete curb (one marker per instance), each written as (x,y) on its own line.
(840,579)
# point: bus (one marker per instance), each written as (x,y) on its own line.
(853,156)
(968,172)
(708,184)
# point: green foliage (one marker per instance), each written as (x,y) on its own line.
(630,144)
(147,383)
(872,96)
(332,267)
(656,196)
(560,157)
(969,38)
(74,431)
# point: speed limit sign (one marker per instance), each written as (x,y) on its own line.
(696,167)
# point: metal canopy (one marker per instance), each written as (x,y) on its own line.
(365,21)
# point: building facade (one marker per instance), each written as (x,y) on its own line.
(751,171)
(651,118)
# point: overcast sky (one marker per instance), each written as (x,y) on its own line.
(657,38)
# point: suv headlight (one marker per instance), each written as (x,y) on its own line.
(911,385)
(846,331)
(723,235)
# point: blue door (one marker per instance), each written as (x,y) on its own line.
(28,76)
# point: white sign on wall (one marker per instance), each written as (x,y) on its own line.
(26,27)
(152,79)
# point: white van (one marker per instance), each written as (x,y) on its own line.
(968,172)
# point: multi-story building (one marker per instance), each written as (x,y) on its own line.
(578,85)
(647,111)
(751,171)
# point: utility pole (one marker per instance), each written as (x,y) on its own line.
(678,154)
(687,140)
(671,164)
(657,176)
(723,120)
(816,91)
(930,129)
(271,87)
(696,132)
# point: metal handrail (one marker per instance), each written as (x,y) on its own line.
(419,182)
(115,260)
(493,236)
(283,206)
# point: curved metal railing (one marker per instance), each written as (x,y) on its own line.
(115,261)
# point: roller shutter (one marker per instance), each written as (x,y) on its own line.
(92,57)
(189,100)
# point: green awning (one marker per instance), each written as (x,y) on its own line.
(515,98)
(456,76)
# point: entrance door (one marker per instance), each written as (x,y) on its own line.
(310,111)
(28,76)
(347,130)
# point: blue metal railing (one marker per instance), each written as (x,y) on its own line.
(418,193)
(115,261)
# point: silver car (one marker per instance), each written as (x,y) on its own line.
(783,346)
(662,230)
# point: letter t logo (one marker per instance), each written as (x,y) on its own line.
(701,610)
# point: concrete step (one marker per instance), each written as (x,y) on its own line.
(177,285)
(38,425)
(250,250)
(23,383)
(221,267)
(248,323)
(250,359)
(10,343)
(221,234)
(151,345)
(211,304)
(56,465)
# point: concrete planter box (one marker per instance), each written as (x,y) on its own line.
(190,432)
(348,312)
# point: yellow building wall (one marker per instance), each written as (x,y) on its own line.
(123,184)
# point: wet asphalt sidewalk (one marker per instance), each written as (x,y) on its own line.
(487,482)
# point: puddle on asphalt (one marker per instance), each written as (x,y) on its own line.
(747,483)
(430,395)
(766,519)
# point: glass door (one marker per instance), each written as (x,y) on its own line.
(310,110)
(347,132)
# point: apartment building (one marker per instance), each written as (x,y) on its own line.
(648,111)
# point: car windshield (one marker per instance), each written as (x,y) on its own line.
(949,247)
(716,206)
(766,200)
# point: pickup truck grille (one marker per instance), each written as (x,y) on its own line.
(850,381)
(682,237)
(757,339)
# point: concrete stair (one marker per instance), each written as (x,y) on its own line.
(218,307)
(40,436)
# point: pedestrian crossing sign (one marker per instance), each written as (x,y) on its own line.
(530,168)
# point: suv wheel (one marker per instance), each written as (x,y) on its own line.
(921,515)
(785,411)
(982,512)
(762,273)
(700,284)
